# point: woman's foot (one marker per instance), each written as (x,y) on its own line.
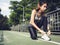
(45,37)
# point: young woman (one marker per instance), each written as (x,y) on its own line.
(38,20)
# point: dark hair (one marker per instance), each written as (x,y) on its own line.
(41,2)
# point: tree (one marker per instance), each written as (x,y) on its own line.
(16,15)
(3,22)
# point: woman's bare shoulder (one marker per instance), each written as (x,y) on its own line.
(34,10)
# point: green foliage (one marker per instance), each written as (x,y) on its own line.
(16,7)
(4,24)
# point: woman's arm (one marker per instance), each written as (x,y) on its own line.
(49,31)
(32,22)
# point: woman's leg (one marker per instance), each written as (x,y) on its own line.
(33,32)
(45,23)
(45,28)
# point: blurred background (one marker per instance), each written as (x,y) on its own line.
(15,16)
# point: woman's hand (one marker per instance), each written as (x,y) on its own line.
(49,33)
(42,32)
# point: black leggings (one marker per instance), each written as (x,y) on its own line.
(42,22)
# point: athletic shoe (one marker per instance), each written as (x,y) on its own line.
(45,37)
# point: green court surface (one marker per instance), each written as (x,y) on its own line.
(23,38)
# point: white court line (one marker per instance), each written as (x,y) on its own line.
(5,38)
(51,42)
(38,39)
(43,40)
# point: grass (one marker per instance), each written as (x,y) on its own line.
(23,38)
